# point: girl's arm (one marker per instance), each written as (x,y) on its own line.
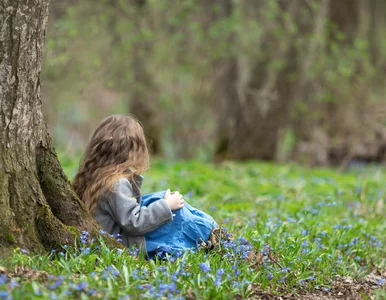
(130,216)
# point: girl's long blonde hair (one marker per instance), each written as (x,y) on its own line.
(117,148)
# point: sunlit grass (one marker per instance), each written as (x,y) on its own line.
(307,225)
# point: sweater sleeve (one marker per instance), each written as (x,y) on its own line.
(131,217)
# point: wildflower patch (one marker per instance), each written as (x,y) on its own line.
(296,234)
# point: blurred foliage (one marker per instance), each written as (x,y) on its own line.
(172,57)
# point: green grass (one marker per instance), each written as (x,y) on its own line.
(315,224)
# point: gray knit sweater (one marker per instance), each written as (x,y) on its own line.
(119,212)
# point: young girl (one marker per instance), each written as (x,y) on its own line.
(109,182)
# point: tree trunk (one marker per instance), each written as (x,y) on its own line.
(39,209)
(255,102)
(143,104)
(142,91)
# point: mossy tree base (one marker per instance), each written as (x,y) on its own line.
(38,207)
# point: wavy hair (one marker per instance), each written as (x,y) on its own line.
(117,149)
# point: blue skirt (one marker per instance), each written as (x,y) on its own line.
(188,228)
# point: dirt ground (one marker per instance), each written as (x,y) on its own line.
(341,288)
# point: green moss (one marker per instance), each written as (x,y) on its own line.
(72,229)
(9,237)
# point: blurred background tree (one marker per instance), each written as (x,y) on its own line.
(278,80)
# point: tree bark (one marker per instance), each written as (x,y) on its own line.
(142,91)
(142,103)
(255,101)
(39,209)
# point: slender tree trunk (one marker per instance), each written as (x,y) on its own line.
(304,127)
(38,208)
(142,91)
(143,104)
(255,100)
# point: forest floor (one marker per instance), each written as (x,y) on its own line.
(298,233)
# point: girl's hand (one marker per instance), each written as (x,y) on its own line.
(174,200)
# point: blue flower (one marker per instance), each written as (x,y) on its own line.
(284,270)
(161,268)
(37,292)
(218,281)
(163,286)
(52,286)
(237,272)
(304,244)
(175,276)
(68,292)
(269,276)
(178,254)
(281,280)
(13,284)
(136,251)
(24,251)
(205,267)
(85,250)
(84,237)
(105,275)
(81,286)
(173,288)
(4,295)
(381,281)
(245,254)
(3,279)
